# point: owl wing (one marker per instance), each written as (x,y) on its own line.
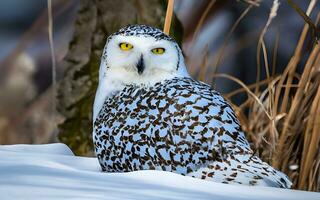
(197,125)
(205,121)
(204,116)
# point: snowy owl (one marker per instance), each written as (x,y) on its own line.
(149,114)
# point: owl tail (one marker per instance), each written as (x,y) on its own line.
(243,169)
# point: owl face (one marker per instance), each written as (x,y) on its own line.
(141,54)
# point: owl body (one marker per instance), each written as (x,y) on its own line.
(180,123)
(161,119)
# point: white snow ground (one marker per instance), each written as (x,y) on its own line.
(53,172)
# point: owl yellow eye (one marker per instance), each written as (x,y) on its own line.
(158,50)
(125,46)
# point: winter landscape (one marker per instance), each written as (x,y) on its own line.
(227,91)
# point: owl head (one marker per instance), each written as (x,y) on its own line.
(140,54)
(137,55)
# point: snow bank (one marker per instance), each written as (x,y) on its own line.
(53,172)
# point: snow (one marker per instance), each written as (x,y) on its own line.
(53,172)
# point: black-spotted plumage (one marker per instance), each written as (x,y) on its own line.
(178,125)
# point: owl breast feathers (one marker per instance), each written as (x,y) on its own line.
(178,125)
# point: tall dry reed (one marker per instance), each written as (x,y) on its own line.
(281,115)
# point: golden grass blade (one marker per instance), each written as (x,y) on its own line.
(246,88)
(167,22)
(311,135)
(306,18)
(272,15)
(261,45)
(275,52)
(240,90)
(313,139)
(295,105)
(314,177)
(252,2)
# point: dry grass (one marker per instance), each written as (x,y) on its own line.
(287,135)
(169,14)
(281,115)
(252,2)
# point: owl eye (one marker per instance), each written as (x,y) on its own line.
(125,46)
(158,50)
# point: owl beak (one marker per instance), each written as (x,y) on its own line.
(140,65)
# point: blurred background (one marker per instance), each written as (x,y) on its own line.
(25,65)
(26,73)
(217,37)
